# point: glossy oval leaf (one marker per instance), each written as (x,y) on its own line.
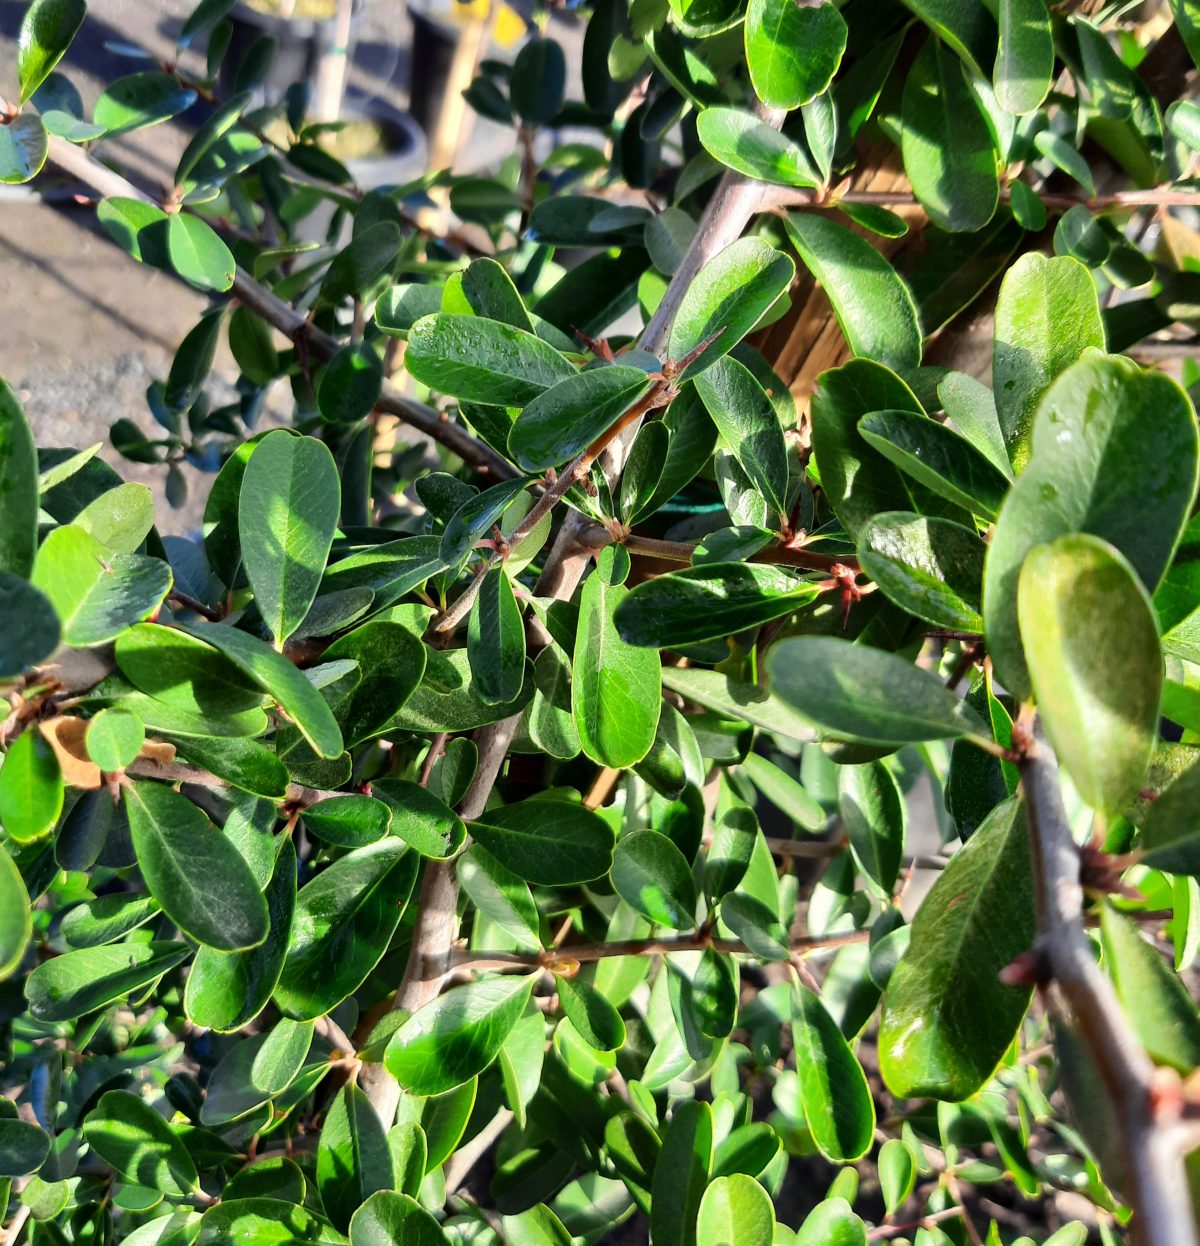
(18,490)
(77,983)
(709,602)
(423,820)
(1092,649)
(47,30)
(1024,66)
(457,1036)
(198,255)
(287,514)
(792,50)
(124,1131)
(735,1208)
(745,143)
(16,920)
(860,693)
(947,1017)
(653,877)
(193,870)
(548,842)
(873,305)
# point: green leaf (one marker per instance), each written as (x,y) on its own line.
(387,1218)
(930,567)
(107,919)
(114,738)
(947,1019)
(596,1021)
(357,267)
(391,662)
(861,693)
(782,790)
(29,624)
(457,1035)
(227,990)
(562,421)
(938,458)
(653,877)
(242,763)
(476,517)
(203,17)
(874,307)
(24,147)
(897,1173)
(193,870)
(23,1147)
(681,1174)
(858,481)
(16,921)
(1155,1001)
(265,1222)
(496,639)
(18,490)
(277,677)
(728,297)
(1115,454)
(964,25)
(756,926)
(483,360)
(874,818)
(1094,662)
(95,594)
(77,983)
(735,699)
(400,307)
(125,1132)
(287,515)
(949,150)
(345,919)
(832,1222)
(1024,66)
(353,1158)
(736,1208)
(547,842)
(538,81)
(198,255)
(348,821)
(193,362)
(141,100)
(119,519)
(792,50)
(616,687)
(837,1100)
(31,788)
(743,142)
(350,385)
(47,30)
(502,896)
(1047,315)
(176,669)
(710,602)
(746,419)
(424,821)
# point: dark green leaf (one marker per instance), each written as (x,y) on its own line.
(387,1218)
(18,491)
(287,515)
(500,895)
(861,693)
(24,146)
(353,1159)
(653,877)
(47,30)
(837,1100)
(198,255)
(350,385)
(344,922)
(741,141)
(564,420)
(948,146)
(31,788)
(496,639)
(1025,56)
(947,1019)
(141,100)
(23,1147)
(482,360)
(193,871)
(538,80)
(595,1020)
(681,1174)
(728,297)
(81,982)
(356,268)
(616,686)
(547,842)
(874,307)
(348,821)
(424,821)
(930,567)
(756,926)
(16,922)
(124,1131)
(709,602)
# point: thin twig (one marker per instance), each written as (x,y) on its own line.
(1155,197)
(777,555)
(297,794)
(250,293)
(1154,1180)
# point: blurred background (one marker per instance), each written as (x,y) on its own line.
(86,330)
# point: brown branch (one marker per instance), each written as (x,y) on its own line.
(177,772)
(776,555)
(1155,1182)
(735,201)
(1155,197)
(258,298)
(559,960)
